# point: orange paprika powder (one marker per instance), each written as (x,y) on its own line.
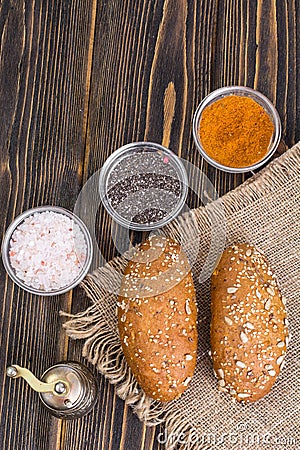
(235,131)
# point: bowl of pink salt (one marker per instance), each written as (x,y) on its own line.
(47,250)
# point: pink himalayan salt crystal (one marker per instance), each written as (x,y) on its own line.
(47,251)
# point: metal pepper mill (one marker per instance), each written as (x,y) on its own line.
(68,389)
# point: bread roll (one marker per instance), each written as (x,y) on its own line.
(249,334)
(157,318)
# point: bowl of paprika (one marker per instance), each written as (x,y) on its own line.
(236,129)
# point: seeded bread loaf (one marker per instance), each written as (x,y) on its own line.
(249,334)
(157,318)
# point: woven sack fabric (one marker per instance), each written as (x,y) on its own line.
(263,211)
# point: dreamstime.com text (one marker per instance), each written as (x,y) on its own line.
(251,440)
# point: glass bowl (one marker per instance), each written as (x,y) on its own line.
(258,98)
(136,182)
(6,249)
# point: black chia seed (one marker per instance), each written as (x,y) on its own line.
(144,188)
(142,182)
(150,215)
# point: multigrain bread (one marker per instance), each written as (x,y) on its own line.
(249,334)
(157,318)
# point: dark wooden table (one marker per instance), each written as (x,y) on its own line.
(79,79)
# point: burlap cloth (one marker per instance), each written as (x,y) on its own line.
(263,211)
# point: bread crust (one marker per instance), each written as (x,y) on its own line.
(157,316)
(249,334)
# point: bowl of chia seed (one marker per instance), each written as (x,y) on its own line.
(143,185)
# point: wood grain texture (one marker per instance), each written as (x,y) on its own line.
(78,79)
(43,61)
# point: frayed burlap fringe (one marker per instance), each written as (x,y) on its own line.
(97,326)
(180,434)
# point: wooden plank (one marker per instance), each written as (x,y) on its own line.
(288,89)
(44,84)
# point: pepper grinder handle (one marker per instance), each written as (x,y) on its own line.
(58,387)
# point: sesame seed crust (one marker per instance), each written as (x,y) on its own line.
(249,333)
(157,318)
